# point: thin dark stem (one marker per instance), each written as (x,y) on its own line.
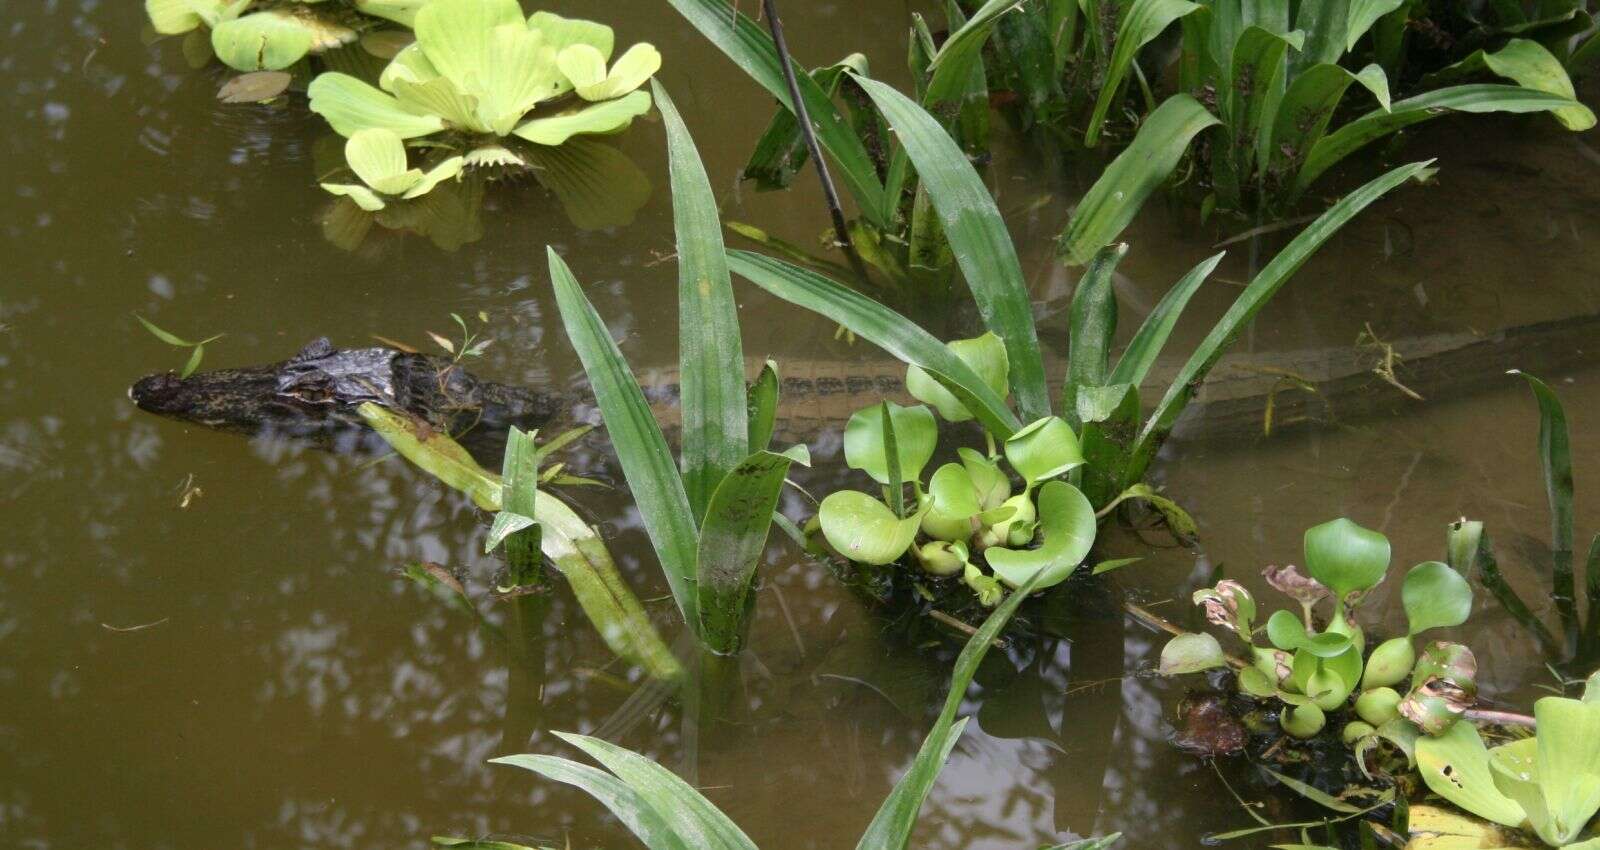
(803,118)
(1489,574)
(1591,631)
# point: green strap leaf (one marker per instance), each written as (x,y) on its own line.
(1555,458)
(1485,97)
(710,359)
(1142,22)
(1115,198)
(763,403)
(977,234)
(689,814)
(892,826)
(1142,351)
(1093,321)
(1250,301)
(882,327)
(1307,107)
(744,42)
(732,540)
(630,807)
(642,450)
(781,152)
(1362,15)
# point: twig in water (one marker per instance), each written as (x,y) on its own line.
(803,118)
(959,626)
(1388,360)
(1265,229)
(139,628)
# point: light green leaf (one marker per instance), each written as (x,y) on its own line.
(1455,765)
(449,169)
(1435,597)
(977,234)
(1568,765)
(261,41)
(193,363)
(635,66)
(608,116)
(716,428)
(988,479)
(1141,22)
(399,11)
(1092,323)
(763,406)
(1375,125)
(1044,449)
(1362,15)
(1115,198)
(1067,521)
(881,326)
(164,336)
(630,807)
(176,17)
(364,198)
(915,431)
(646,461)
(350,105)
(732,539)
(864,530)
(1534,67)
(584,66)
(1346,557)
(378,157)
(458,37)
(952,504)
(435,453)
(987,357)
(1191,653)
(690,815)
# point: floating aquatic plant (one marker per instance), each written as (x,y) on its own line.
(270,35)
(481,78)
(1315,671)
(378,158)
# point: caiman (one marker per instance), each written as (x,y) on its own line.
(313,396)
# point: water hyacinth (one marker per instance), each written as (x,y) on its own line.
(481,77)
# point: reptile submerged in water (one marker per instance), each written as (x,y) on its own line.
(313,396)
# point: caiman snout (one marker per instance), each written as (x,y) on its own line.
(159,393)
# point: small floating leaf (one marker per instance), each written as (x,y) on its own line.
(1191,653)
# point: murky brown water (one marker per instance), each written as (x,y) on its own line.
(290,691)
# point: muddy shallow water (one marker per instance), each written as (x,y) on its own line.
(203,642)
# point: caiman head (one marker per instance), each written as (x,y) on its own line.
(314,394)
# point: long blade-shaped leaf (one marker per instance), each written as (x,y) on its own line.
(1143,21)
(732,540)
(646,461)
(1093,321)
(1362,15)
(882,327)
(1255,296)
(1146,345)
(1555,458)
(961,53)
(892,826)
(1303,114)
(781,152)
(763,402)
(977,234)
(628,805)
(1115,198)
(743,41)
(1485,97)
(685,810)
(710,359)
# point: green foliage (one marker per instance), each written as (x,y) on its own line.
(259,35)
(378,157)
(574,547)
(1578,643)
(663,811)
(481,80)
(709,524)
(197,350)
(1549,783)
(1315,672)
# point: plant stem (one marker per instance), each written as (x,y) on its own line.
(803,118)
(1591,632)
(1501,718)
(1489,574)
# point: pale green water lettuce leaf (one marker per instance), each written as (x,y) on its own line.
(608,116)
(350,105)
(399,11)
(915,432)
(630,71)
(265,41)
(1455,765)
(378,157)
(1067,522)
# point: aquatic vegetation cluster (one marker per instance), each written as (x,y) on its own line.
(271,35)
